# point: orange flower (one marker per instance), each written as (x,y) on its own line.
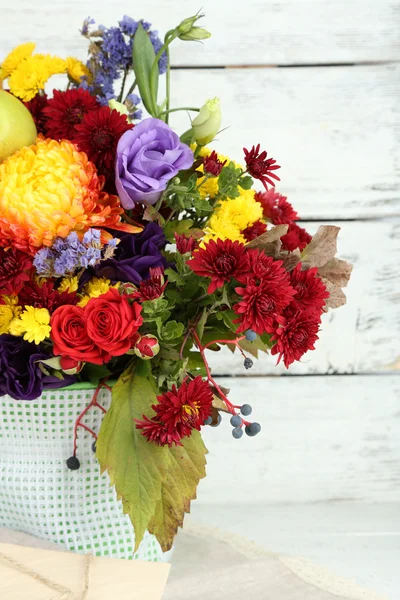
(50,189)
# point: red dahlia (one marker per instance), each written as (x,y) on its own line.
(98,135)
(294,333)
(260,167)
(185,244)
(310,291)
(36,107)
(222,261)
(253,231)
(213,165)
(296,237)
(152,288)
(178,412)
(15,268)
(45,296)
(276,207)
(67,109)
(260,303)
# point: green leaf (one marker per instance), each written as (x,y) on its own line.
(201,323)
(228,181)
(188,137)
(143,57)
(186,468)
(246,182)
(172,330)
(94,373)
(178,227)
(195,364)
(174,277)
(135,466)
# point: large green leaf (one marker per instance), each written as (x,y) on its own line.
(143,57)
(186,468)
(135,466)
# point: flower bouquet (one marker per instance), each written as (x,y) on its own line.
(127,251)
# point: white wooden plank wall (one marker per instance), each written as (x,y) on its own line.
(317,83)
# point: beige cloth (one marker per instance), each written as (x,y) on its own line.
(211,565)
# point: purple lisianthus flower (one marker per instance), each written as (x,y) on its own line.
(134,256)
(20,374)
(148,156)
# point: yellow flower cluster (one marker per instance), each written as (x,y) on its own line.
(94,288)
(8,311)
(208,187)
(232,216)
(33,324)
(28,73)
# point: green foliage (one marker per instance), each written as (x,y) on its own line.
(179,227)
(182,195)
(156,484)
(228,181)
(143,57)
(172,331)
(246,182)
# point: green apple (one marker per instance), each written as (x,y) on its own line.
(17,127)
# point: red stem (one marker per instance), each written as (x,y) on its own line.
(92,403)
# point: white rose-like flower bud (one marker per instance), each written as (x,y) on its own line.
(208,122)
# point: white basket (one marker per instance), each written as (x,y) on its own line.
(39,495)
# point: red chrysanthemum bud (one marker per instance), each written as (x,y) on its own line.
(296,237)
(260,167)
(152,288)
(276,208)
(254,231)
(213,165)
(185,244)
(147,347)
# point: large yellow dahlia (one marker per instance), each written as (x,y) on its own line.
(50,189)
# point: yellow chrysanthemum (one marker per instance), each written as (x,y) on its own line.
(232,216)
(94,288)
(33,323)
(16,56)
(8,311)
(76,69)
(32,73)
(49,190)
(68,284)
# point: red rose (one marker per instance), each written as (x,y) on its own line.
(112,322)
(70,336)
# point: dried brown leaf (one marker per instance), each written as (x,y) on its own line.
(322,247)
(336,296)
(273,235)
(218,405)
(291,259)
(336,271)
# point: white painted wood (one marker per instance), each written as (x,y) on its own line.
(334,131)
(363,335)
(322,439)
(244,33)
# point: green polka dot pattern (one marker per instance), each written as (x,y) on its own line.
(39,495)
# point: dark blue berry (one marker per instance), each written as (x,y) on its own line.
(73,463)
(218,421)
(208,421)
(248,363)
(253,429)
(237,433)
(246,410)
(236,421)
(94,447)
(250,335)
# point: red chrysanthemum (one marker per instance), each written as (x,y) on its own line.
(263,267)
(152,288)
(98,135)
(260,303)
(296,237)
(36,107)
(44,295)
(222,261)
(260,167)
(213,165)
(294,333)
(276,208)
(185,244)
(15,270)
(254,231)
(178,412)
(310,291)
(66,110)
